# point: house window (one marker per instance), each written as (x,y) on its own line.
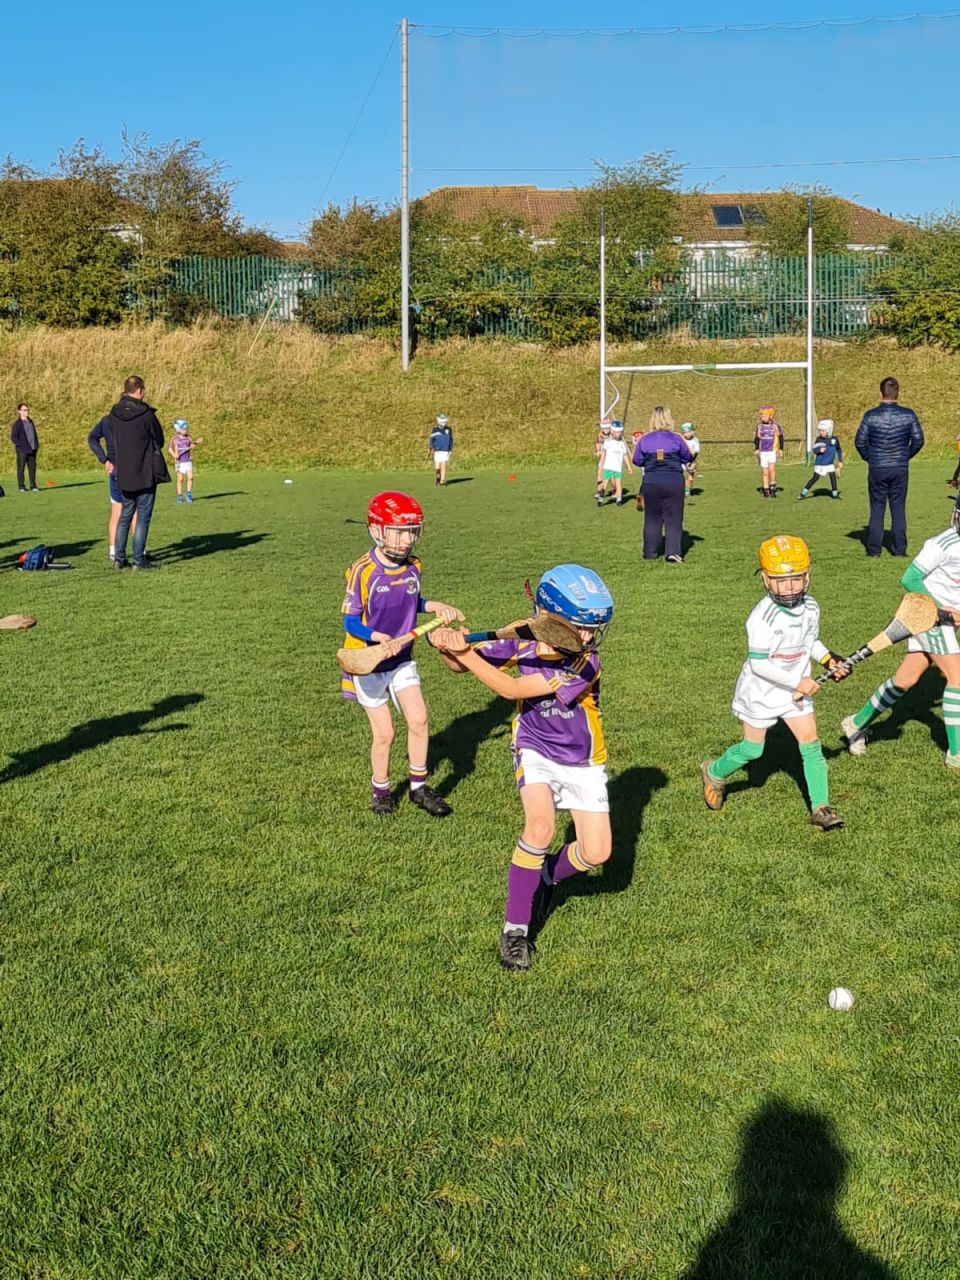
(728,215)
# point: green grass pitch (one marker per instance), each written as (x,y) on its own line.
(250,1030)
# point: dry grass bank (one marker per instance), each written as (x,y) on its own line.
(299,400)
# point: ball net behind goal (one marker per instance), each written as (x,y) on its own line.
(722,407)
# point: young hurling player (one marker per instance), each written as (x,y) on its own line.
(827,458)
(613,457)
(440,445)
(935,571)
(689,433)
(382,601)
(782,636)
(558,746)
(768,446)
(603,435)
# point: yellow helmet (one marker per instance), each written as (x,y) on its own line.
(784,557)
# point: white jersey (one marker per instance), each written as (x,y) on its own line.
(780,645)
(939,562)
(612,454)
(693,444)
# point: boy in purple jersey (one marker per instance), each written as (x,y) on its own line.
(381,602)
(768,447)
(558,746)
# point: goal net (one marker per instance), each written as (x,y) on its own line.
(721,404)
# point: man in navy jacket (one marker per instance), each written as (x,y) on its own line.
(887,438)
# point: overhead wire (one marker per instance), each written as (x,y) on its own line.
(435,32)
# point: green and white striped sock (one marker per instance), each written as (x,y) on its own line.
(951,717)
(882,699)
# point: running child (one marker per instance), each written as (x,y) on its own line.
(782,635)
(181,449)
(768,447)
(603,435)
(827,459)
(689,433)
(614,456)
(558,747)
(440,445)
(382,601)
(936,572)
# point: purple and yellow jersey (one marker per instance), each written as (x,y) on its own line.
(182,446)
(768,437)
(563,725)
(385,597)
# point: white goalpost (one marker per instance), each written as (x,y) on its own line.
(608,387)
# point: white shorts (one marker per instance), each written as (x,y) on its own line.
(768,457)
(377,688)
(440,455)
(824,471)
(761,704)
(185,468)
(574,786)
(937,642)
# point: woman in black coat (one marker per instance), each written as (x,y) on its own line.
(23,434)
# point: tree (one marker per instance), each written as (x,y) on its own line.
(920,291)
(63,257)
(783,227)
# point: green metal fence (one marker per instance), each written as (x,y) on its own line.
(709,295)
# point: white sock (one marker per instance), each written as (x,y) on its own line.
(513,928)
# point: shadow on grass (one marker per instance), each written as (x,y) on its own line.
(457,480)
(212,497)
(74,484)
(85,737)
(917,704)
(459,741)
(784,1225)
(781,754)
(630,792)
(860,535)
(208,544)
(64,550)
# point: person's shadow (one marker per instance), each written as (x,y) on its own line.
(916,704)
(84,737)
(861,535)
(784,1225)
(780,755)
(208,544)
(629,793)
(459,741)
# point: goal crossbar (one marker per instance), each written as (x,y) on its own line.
(703,368)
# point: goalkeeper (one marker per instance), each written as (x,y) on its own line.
(827,459)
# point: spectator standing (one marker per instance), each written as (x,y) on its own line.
(100,440)
(663,454)
(137,438)
(23,435)
(887,438)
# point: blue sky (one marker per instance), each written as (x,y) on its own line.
(273,91)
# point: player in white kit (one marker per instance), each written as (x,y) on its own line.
(783,634)
(936,572)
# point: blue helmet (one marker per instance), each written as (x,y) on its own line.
(577,594)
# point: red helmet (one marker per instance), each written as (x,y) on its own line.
(394,510)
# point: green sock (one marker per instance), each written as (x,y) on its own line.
(815,772)
(880,700)
(951,717)
(734,758)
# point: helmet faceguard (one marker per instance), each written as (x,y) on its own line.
(395,521)
(579,595)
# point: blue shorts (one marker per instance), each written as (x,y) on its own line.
(115,494)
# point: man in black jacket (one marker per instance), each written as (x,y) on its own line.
(887,438)
(136,435)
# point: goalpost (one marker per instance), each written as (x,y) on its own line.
(608,384)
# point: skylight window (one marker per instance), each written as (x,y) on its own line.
(728,215)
